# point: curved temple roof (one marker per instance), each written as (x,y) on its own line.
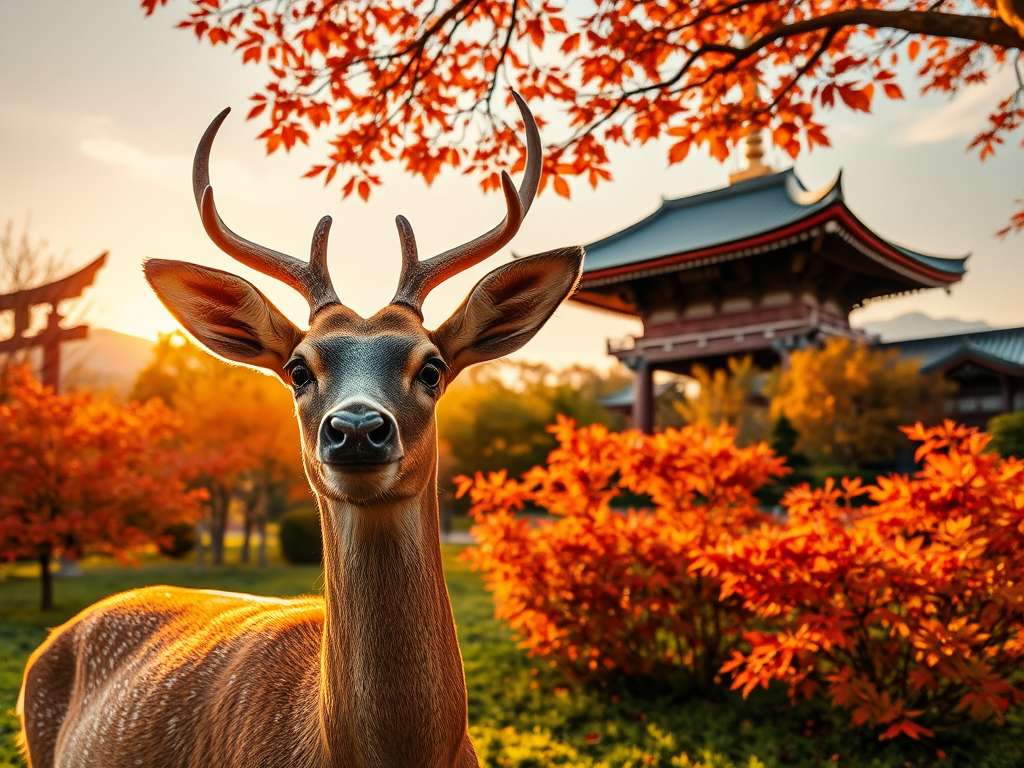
(750,213)
(1002,349)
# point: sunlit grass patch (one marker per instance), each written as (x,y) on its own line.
(522,714)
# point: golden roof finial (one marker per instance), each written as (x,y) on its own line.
(753,140)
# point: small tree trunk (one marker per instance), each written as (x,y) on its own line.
(446,518)
(256,513)
(246,534)
(219,524)
(46,580)
(261,553)
(200,541)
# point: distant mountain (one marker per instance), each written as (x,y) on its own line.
(105,359)
(917,325)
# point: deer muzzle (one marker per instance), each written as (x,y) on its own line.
(359,436)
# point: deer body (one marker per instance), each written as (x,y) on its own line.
(167,672)
(371,675)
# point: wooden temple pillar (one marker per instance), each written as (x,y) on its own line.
(643,397)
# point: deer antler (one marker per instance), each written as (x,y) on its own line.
(420,277)
(310,279)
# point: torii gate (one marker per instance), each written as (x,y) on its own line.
(70,287)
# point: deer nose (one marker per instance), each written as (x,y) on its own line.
(359,434)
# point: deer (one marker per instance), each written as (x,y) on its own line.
(371,674)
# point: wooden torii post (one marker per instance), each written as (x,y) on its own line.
(22,302)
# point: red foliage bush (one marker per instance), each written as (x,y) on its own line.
(601,591)
(909,612)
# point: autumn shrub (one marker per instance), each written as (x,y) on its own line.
(1007,432)
(603,592)
(908,611)
(178,540)
(301,538)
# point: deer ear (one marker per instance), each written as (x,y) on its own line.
(509,306)
(225,313)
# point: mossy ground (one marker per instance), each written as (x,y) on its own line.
(522,715)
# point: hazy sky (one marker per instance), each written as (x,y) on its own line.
(101,109)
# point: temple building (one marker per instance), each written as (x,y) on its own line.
(761,267)
(986,366)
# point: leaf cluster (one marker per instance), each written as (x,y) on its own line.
(408,82)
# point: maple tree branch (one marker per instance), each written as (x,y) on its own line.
(990,30)
(930,9)
(418,75)
(418,43)
(985,29)
(417,50)
(594,125)
(624,97)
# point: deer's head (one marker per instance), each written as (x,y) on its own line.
(366,388)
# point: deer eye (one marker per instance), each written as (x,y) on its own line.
(430,374)
(300,375)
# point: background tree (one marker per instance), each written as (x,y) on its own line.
(1007,433)
(847,401)
(25,263)
(726,396)
(496,416)
(237,426)
(176,365)
(405,82)
(82,474)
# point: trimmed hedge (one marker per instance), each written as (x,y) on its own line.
(301,541)
(181,541)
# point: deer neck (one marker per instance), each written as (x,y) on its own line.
(393,690)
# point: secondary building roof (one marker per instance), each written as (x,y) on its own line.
(1002,350)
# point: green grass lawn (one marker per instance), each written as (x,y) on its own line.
(522,715)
